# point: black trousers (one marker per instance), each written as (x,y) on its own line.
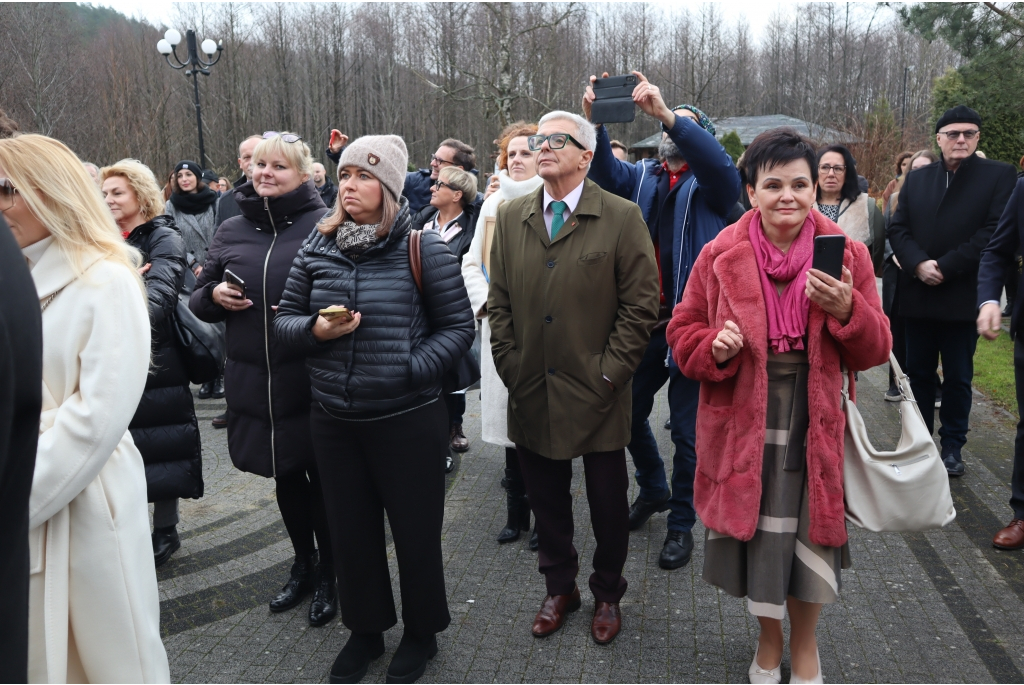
(456,404)
(1017,480)
(548,483)
(955,342)
(386,465)
(301,500)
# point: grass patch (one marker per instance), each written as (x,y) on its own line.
(993,371)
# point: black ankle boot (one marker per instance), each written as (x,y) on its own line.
(518,508)
(324,606)
(165,543)
(410,659)
(355,657)
(297,587)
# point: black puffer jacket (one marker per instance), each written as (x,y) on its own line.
(405,342)
(266,383)
(164,427)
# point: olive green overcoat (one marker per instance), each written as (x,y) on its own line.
(566,313)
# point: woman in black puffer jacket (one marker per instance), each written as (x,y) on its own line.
(378,425)
(164,427)
(267,384)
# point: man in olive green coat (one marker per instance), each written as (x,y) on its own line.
(573,298)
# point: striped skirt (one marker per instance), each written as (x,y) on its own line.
(780,561)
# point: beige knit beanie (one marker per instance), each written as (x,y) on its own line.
(386,157)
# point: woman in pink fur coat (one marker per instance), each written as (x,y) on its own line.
(768,337)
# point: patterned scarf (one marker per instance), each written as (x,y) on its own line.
(353,238)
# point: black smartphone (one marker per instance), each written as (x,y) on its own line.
(828,255)
(613,100)
(234,280)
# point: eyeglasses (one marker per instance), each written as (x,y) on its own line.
(824,169)
(8,194)
(439,183)
(440,162)
(556,141)
(286,137)
(955,135)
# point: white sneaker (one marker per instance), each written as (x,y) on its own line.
(762,676)
(794,678)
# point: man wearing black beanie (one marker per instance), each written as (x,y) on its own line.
(947,212)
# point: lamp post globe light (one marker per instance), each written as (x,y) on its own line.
(167,47)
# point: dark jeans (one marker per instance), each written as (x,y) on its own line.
(955,342)
(1017,481)
(455,403)
(369,468)
(683,395)
(548,483)
(301,501)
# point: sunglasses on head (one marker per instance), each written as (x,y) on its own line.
(286,137)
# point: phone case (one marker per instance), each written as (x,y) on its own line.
(613,111)
(828,254)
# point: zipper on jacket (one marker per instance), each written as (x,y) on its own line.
(682,236)
(266,338)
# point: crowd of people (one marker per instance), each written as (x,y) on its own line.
(350,305)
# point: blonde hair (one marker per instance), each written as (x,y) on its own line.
(297,153)
(462,181)
(57,189)
(389,212)
(142,182)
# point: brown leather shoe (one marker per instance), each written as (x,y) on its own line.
(607,622)
(553,611)
(458,441)
(1011,537)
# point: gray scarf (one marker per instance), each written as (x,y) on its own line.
(356,238)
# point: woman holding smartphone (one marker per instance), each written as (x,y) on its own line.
(267,385)
(769,338)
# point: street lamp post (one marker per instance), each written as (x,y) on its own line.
(168,47)
(903,117)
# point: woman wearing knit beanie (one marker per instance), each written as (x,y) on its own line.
(378,341)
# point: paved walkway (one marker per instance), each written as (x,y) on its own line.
(942,606)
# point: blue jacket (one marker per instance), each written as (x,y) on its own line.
(710,189)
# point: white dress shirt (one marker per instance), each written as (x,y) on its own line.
(572,199)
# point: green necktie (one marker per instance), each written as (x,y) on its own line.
(559,218)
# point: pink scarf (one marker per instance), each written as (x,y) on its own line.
(787,313)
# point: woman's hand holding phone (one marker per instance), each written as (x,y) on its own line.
(330,328)
(230,297)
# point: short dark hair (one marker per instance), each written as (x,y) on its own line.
(464,154)
(619,144)
(776,147)
(851,185)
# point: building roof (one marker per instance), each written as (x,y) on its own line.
(749,128)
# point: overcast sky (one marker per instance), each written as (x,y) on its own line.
(756,12)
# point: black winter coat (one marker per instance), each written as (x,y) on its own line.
(328,193)
(406,340)
(461,242)
(21,397)
(164,427)
(948,217)
(266,382)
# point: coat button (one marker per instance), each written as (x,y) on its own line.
(551,372)
(551,265)
(548,319)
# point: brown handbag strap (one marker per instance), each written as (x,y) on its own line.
(415,265)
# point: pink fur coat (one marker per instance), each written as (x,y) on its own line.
(731,415)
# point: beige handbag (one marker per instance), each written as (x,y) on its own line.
(903,490)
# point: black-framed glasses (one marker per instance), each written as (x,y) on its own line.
(955,135)
(8,194)
(824,169)
(440,162)
(556,141)
(438,183)
(286,137)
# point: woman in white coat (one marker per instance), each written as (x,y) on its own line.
(518,177)
(94,610)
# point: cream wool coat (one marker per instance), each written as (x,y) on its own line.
(493,394)
(94,609)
